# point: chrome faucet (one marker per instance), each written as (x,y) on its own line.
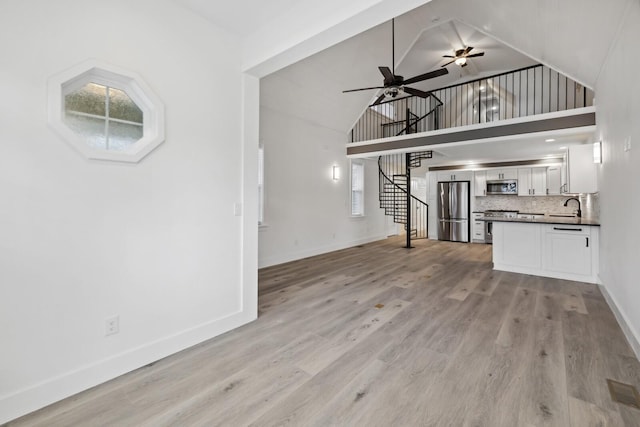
(579,213)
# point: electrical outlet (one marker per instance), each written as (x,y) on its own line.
(111,326)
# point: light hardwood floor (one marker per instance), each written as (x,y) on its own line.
(379,335)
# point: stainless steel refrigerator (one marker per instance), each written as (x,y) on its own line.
(453,211)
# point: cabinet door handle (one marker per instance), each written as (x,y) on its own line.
(587,241)
(534,191)
(529,191)
(567,229)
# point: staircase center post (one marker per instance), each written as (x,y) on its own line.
(408,173)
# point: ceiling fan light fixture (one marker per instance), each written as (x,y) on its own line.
(461,61)
(392,92)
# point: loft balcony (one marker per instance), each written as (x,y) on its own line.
(530,100)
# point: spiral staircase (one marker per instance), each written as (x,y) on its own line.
(395,196)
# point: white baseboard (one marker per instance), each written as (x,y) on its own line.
(629,332)
(55,389)
(305,253)
(544,273)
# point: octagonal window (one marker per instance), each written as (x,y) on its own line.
(105,117)
(105,113)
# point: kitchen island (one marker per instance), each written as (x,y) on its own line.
(549,246)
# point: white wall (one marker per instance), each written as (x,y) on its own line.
(618,111)
(156,243)
(306,212)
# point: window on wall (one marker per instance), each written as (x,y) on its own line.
(105,112)
(357,188)
(260,185)
(105,117)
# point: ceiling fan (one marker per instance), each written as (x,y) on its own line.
(461,56)
(393,84)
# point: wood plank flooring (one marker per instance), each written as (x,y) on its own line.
(378,335)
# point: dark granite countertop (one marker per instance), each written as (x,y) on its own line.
(547,220)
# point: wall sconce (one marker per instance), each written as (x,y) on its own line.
(336,173)
(597,152)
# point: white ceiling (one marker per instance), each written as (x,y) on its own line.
(508,149)
(240,17)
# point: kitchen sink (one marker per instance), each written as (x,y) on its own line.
(562,215)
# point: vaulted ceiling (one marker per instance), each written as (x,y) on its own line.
(570,36)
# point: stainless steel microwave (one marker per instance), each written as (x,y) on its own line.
(503,187)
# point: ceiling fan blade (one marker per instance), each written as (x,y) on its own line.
(465,64)
(388,75)
(364,88)
(450,62)
(448,56)
(467,50)
(426,76)
(378,100)
(416,92)
(475,54)
(392,100)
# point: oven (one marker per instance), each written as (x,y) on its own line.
(488,224)
(488,232)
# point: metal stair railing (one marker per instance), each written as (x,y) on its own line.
(395,195)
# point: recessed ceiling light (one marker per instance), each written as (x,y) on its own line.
(549,140)
(562,148)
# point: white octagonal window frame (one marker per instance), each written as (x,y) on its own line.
(93,71)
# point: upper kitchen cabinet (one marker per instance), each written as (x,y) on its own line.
(455,175)
(581,175)
(553,180)
(480,183)
(532,181)
(498,174)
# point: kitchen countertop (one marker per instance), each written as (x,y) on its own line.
(546,220)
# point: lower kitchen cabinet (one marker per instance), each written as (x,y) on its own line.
(551,250)
(568,249)
(478,228)
(517,245)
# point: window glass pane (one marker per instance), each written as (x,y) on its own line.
(91,129)
(89,99)
(357,204)
(357,189)
(122,107)
(123,135)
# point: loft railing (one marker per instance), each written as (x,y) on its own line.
(525,92)
(410,114)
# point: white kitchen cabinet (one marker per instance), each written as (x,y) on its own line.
(478,227)
(517,245)
(553,180)
(568,249)
(581,171)
(480,183)
(532,181)
(498,174)
(563,251)
(455,175)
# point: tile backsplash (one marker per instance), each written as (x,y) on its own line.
(544,204)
